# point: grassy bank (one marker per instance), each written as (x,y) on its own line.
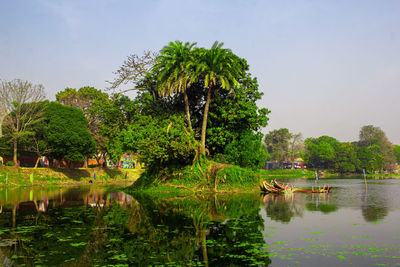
(10,176)
(212,176)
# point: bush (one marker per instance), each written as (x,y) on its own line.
(9,163)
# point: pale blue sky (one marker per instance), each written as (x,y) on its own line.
(325,67)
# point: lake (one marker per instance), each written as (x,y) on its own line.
(354,225)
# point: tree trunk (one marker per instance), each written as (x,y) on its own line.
(85,160)
(37,162)
(204,126)
(14,215)
(15,153)
(204,247)
(189,123)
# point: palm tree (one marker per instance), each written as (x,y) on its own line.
(175,67)
(219,68)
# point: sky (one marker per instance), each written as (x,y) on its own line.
(325,67)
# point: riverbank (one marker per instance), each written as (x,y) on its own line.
(11,176)
(212,176)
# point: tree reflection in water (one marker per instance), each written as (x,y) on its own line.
(89,227)
(374,205)
(282,207)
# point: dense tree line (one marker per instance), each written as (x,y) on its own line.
(373,152)
(191,102)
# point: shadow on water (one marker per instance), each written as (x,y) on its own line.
(88,226)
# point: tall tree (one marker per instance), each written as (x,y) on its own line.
(66,133)
(374,136)
(230,115)
(176,71)
(321,151)
(133,71)
(396,149)
(296,147)
(20,101)
(346,158)
(88,99)
(277,142)
(218,68)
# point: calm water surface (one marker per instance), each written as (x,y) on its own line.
(354,225)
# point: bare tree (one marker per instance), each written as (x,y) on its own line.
(20,101)
(3,113)
(296,145)
(133,70)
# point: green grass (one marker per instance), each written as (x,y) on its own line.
(10,176)
(296,173)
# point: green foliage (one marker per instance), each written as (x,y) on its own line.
(246,151)
(375,138)
(66,133)
(160,141)
(231,114)
(216,68)
(277,143)
(370,158)
(321,152)
(373,152)
(396,150)
(93,103)
(9,163)
(237,177)
(175,69)
(346,158)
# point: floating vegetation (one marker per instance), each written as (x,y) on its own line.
(218,230)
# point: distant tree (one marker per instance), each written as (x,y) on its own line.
(346,158)
(296,147)
(116,115)
(66,133)
(375,136)
(246,151)
(90,100)
(20,100)
(133,71)
(35,142)
(370,135)
(396,149)
(277,143)
(321,152)
(370,158)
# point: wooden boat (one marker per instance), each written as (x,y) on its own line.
(281,186)
(269,188)
(276,187)
(324,189)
